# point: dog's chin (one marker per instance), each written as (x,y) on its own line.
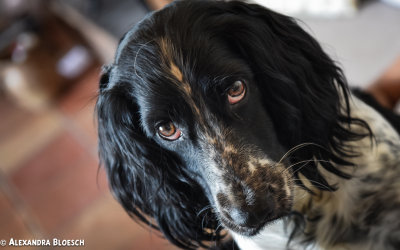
(247,230)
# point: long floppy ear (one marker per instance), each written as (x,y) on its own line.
(303,90)
(147,180)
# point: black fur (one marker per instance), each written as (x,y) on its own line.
(300,88)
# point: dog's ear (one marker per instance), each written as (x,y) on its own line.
(147,180)
(303,90)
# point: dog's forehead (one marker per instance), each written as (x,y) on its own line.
(169,56)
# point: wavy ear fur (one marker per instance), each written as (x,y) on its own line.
(304,91)
(147,180)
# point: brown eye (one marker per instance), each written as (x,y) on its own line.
(169,132)
(236,92)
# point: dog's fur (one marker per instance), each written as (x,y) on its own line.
(298,149)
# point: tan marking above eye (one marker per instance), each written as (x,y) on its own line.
(236,92)
(176,72)
(169,131)
(169,55)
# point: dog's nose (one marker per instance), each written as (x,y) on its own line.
(249,215)
(247,218)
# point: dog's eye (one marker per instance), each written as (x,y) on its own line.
(236,92)
(169,131)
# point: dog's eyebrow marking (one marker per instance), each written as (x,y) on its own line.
(167,51)
(175,71)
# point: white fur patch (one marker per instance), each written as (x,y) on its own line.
(272,237)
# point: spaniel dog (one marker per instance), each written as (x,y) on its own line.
(222,118)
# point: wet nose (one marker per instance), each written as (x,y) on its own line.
(249,215)
(249,218)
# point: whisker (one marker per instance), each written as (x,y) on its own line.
(322,185)
(300,162)
(218,227)
(204,209)
(294,149)
(297,147)
(203,221)
(316,182)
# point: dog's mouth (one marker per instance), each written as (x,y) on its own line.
(250,229)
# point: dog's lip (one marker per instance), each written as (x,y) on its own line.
(247,230)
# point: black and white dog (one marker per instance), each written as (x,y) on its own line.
(227,118)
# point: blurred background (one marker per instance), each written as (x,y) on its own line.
(51,53)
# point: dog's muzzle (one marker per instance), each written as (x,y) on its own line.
(251,216)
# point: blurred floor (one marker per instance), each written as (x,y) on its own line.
(50,183)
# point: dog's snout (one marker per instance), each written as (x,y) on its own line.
(244,214)
(247,217)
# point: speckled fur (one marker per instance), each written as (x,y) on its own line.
(364,213)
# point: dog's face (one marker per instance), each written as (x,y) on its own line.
(204,106)
(198,110)
(214,121)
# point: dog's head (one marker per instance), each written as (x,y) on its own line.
(199,108)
